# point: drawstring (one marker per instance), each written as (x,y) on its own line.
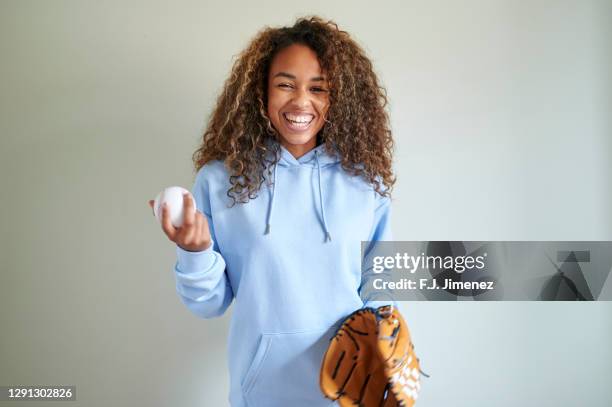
(273,194)
(327,235)
(271,202)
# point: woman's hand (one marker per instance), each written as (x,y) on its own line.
(193,235)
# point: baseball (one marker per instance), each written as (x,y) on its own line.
(173,197)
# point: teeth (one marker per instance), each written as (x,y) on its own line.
(298,119)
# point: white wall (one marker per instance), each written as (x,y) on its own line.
(501,113)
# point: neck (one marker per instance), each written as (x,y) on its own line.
(298,150)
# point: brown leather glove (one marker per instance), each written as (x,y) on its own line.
(371,362)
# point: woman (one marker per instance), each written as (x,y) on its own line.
(294,171)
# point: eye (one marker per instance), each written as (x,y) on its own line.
(284,85)
(319,89)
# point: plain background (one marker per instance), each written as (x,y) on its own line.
(501,114)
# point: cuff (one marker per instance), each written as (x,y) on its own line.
(378,303)
(191,262)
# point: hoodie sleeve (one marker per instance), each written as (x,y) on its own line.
(201,277)
(381,231)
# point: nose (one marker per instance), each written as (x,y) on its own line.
(301,98)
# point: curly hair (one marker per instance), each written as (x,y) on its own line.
(356,129)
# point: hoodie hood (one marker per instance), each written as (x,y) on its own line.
(319,158)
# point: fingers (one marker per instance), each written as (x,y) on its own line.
(189,236)
(189,215)
(189,231)
(203,233)
(193,222)
(167,225)
(198,226)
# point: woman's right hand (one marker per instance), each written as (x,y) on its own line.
(193,235)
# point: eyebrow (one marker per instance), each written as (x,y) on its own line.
(288,75)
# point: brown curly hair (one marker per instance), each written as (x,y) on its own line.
(356,129)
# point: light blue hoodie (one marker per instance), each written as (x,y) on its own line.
(290,260)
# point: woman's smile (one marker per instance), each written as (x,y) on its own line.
(298,122)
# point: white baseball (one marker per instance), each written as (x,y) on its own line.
(173,197)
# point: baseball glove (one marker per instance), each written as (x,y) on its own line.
(370,361)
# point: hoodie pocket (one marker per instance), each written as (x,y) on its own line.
(285,370)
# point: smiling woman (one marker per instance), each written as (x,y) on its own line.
(293,70)
(298,98)
(302,112)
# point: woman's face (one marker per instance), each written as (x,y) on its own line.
(298,98)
